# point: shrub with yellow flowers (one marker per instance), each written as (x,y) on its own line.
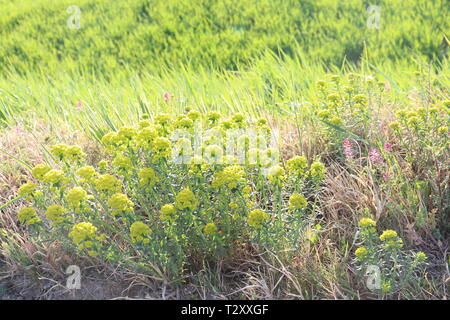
(140,207)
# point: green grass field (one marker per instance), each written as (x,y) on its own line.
(155,35)
(348,169)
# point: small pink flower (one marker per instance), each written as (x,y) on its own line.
(348,149)
(375,155)
(385,176)
(19,130)
(387,86)
(79,106)
(388,147)
(166,96)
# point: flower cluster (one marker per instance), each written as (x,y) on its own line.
(107,182)
(67,153)
(39,171)
(139,232)
(28,216)
(375,156)
(168,212)
(120,203)
(367,222)
(86,173)
(83,234)
(27,189)
(391,239)
(297,165)
(276,175)
(55,213)
(231,177)
(54,177)
(148,177)
(76,196)
(210,228)
(257,218)
(186,199)
(361,253)
(317,170)
(349,152)
(297,202)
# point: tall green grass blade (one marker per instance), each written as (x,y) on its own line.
(10,202)
(20,162)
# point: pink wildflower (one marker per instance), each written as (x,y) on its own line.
(385,176)
(166,96)
(79,106)
(375,155)
(348,149)
(388,147)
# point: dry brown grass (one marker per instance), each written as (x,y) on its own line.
(27,142)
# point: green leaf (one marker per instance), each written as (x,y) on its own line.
(337,128)
(10,202)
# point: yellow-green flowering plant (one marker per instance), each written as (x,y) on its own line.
(396,267)
(141,207)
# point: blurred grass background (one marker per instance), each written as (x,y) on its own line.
(250,56)
(271,86)
(152,35)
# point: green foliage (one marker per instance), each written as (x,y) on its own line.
(156,34)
